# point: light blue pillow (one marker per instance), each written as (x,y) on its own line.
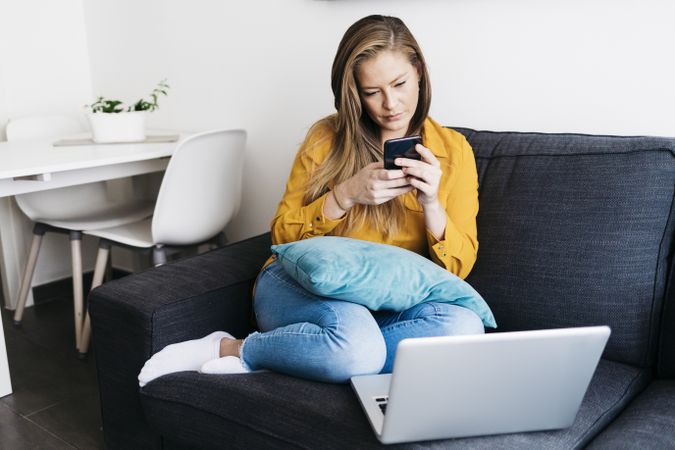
(377,276)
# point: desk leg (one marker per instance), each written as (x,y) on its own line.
(14,235)
(5,383)
(28,275)
(78,295)
(10,286)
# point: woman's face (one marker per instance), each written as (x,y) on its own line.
(389,89)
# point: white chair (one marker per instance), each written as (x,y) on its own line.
(67,210)
(199,195)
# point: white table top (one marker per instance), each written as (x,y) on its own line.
(27,158)
(35,165)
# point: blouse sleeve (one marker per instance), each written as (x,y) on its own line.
(458,249)
(295,220)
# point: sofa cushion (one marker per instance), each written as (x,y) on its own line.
(377,276)
(647,423)
(575,230)
(277,411)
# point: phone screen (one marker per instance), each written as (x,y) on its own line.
(400,148)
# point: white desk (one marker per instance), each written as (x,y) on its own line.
(31,166)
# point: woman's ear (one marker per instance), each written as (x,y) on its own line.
(418,68)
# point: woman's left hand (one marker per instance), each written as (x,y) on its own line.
(424,175)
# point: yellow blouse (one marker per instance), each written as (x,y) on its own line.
(458,194)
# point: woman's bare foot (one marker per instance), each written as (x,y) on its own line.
(230,347)
(229,361)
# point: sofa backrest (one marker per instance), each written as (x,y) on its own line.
(576,230)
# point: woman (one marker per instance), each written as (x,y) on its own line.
(338,186)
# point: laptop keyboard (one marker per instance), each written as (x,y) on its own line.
(382,403)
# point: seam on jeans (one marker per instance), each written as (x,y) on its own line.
(437,310)
(413,321)
(403,324)
(293,333)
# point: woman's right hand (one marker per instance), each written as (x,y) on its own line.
(372,185)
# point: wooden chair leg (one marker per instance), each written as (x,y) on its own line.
(28,276)
(109,269)
(86,335)
(78,294)
(99,273)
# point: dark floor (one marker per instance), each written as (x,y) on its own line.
(55,403)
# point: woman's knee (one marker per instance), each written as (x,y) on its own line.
(450,319)
(458,320)
(351,357)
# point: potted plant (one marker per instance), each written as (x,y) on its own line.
(111,122)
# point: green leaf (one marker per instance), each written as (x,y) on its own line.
(104,105)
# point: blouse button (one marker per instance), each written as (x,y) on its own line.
(309,224)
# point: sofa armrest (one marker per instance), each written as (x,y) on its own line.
(136,316)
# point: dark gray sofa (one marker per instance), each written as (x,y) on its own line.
(574,230)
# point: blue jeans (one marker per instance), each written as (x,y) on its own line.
(314,337)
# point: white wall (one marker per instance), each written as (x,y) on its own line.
(597,67)
(45,63)
(534,65)
(44,69)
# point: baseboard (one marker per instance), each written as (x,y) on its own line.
(64,286)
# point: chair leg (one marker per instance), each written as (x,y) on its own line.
(99,273)
(158,255)
(86,335)
(109,269)
(221,239)
(28,274)
(78,295)
(218,241)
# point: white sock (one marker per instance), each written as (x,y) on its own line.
(226,364)
(188,355)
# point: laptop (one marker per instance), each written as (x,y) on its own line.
(458,386)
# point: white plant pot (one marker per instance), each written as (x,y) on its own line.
(117,127)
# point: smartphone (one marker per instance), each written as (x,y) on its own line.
(400,148)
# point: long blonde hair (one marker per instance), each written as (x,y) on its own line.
(357,138)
